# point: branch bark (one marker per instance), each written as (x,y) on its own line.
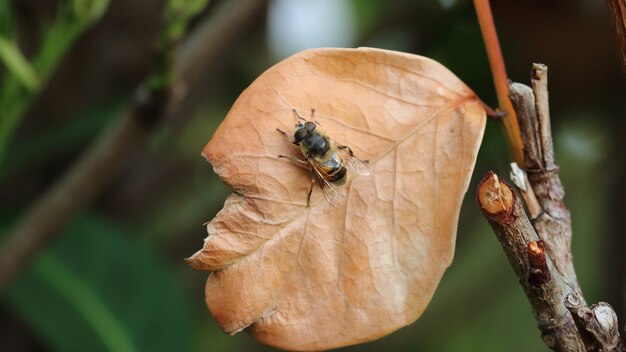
(597,324)
(540,252)
(617,11)
(99,163)
(545,292)
(553,224)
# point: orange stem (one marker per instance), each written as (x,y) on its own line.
(500,80)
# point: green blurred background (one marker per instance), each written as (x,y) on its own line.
(115,280)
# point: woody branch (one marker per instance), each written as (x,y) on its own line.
(538,244)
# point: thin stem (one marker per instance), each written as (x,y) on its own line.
(500,80)
(617,11)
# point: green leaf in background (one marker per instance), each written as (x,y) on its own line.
(6,19)
(99,288)
(61,139)
(89,10)
(16,63)
(177,15)
(25,78)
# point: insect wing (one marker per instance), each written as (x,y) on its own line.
(329,191)
(351,162)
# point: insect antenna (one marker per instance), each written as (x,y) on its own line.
(298,116)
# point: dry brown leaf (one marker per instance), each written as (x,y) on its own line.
(319,277)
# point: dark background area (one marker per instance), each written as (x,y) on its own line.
(115,279)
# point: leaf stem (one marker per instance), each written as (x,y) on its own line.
(500,80)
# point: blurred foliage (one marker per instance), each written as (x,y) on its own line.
(19,67)
(114,280)
(110,291)
(176,16)
(178,13)
(23,79)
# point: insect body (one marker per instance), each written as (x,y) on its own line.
(329,161)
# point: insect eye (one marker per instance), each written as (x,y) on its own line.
(300,135)
(310,126)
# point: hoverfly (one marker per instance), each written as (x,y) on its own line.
(328,161)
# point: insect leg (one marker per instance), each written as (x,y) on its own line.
(286,136)
(299,162)
(308,198)
(298,116)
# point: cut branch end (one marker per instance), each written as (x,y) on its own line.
(496,198)
(538,265)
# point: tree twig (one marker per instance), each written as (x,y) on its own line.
(554,224)
(545,291)
(597,324)
(553,290)
(99,163)
(520,179)
(617,11)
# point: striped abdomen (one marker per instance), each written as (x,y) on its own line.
(334,170)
